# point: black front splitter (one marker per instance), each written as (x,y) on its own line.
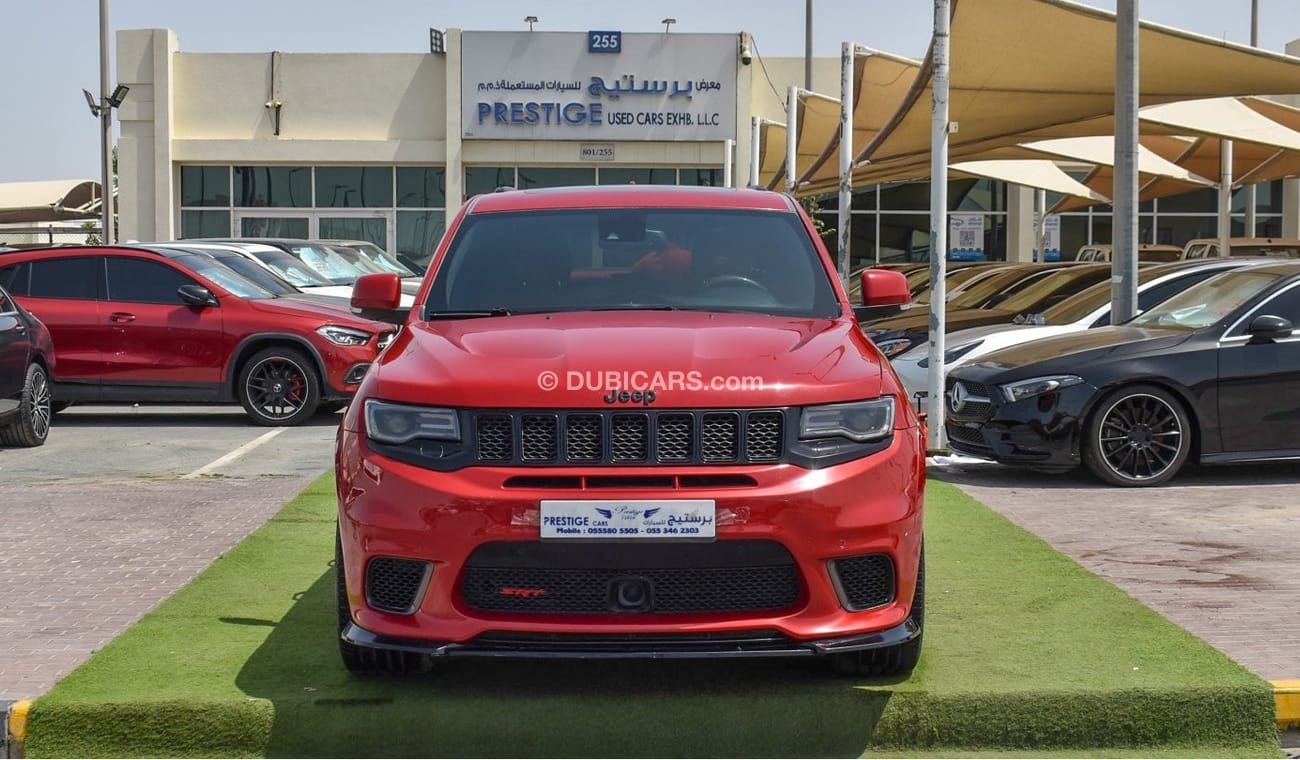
(636,646)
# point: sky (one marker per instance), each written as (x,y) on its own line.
(49,49)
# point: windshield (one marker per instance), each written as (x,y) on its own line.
(1086,301)
(1029,298)
(955,280)
(603,259)
(1207,303)
(329,264)
(977,294)
(291,269)
(262,277)
(222,275)
(382,259)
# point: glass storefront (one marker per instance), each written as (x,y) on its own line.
(400,208)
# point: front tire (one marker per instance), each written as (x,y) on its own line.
(362,660)
(1139,436)
(31,426)
(897,660)
(278,386)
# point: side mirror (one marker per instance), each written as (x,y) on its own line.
(379,296)
(1267,328)
(197,295)
(884,287)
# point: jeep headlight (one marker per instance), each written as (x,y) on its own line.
(399,423)
(858,421)
(1037,386)
(343,336)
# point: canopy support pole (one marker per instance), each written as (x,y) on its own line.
(1252,228)
(1124,238)
(755,134)
(1225,197)
(1040,230)
(938,225)
(728,147)
(848,51)
(791,137)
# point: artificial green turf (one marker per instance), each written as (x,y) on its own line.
(1024,650)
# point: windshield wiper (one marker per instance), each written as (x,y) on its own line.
(468,314)
(634,307)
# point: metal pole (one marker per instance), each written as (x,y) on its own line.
(1123,263)
(106,125)
(728,147)
(848,51)
(938,224)
(1225,197)
(807,45)
(1251,227)
(791,137)
(755,134)
(1040,232)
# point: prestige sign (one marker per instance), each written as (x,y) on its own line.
(552,86)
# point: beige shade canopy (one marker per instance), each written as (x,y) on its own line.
(1029,70)
(49,201)
(1041,173)
(1024,65)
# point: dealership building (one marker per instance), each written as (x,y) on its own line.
(387,146)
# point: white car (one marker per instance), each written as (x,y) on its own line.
(1085,309)
(324,267)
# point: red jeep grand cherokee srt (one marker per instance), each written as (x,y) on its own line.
(130,324)
(630,422)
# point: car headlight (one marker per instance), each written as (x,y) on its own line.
(398,423)
(953,354)
(343,336)
(894,346)
(1037,386)
(858,421)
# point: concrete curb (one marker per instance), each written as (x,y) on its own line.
(1286,698)
(15,728)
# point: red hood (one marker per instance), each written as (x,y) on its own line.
(335,315)
(499,361)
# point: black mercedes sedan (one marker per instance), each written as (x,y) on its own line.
(1211,375)
(26,358)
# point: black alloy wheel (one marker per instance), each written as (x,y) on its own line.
(1139,436)
(31,425)
(279,386)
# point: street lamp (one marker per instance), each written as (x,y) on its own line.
(530,20)
(102,108)
(668,22)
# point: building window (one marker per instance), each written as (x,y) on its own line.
(204,224)
(277,186)
(421,187)
(354,186)
(626,176)
(555,176)
(701,177)
(485,179)
(205,185)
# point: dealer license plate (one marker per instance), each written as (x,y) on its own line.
(679,518)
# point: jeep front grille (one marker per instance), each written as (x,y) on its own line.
(629,438)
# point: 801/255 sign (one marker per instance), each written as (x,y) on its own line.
(604,42)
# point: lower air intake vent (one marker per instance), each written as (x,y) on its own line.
(864,582)
(396,585)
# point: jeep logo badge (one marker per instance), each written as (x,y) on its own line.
(644,398)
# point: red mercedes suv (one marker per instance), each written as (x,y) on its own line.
(630,422)
(130,324)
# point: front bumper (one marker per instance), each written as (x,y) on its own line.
(683,646)
(867,506)
(1043,431)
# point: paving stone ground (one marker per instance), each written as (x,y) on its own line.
(1216,551)
(80,562)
